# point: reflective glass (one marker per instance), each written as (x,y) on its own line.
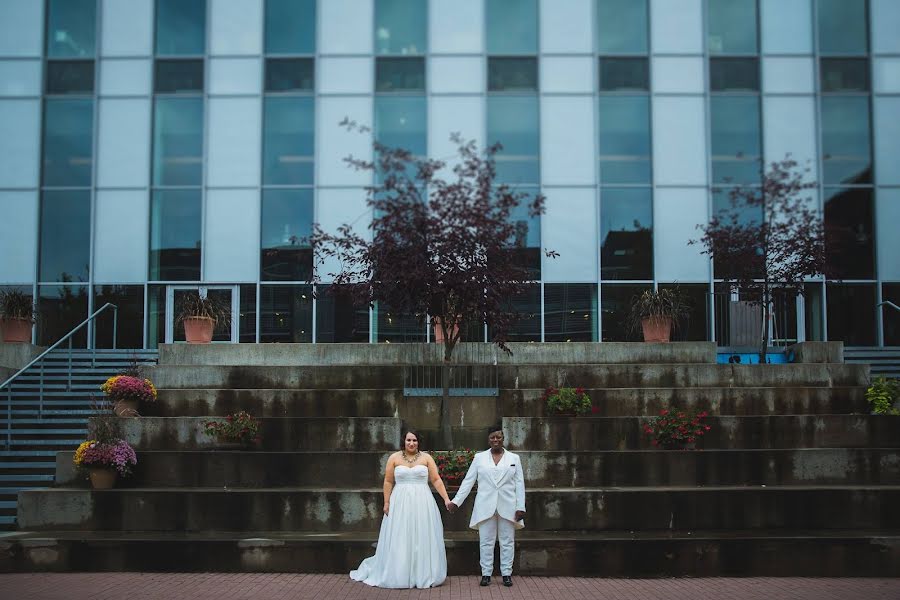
(71,28)
(180,27)
(845,74)
(399,74)
(695,326)
(814,312)
(626,233)
(175,234)
(624,143)
(734,74)
(842,27)
(512,74)
(512,27)
(68,142)
(65,235)
(527,328)
(513,122)
(287,217)
(570,312)
(622,26)
(846,141)
(400,123)
(70,76)
(401,27)
(851,313)
(615,302)
(247,324)
(178,141)
(849,233)
(175,76)
(624,74)
(736,139)
(290,74)
(129,300)
(890,292)
(290,26)
(338,319)
(732,27)
(62,307)
(393,327)
(285,313)
(288,135)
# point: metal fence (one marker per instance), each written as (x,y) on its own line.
(472,371)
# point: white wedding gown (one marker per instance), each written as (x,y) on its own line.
(410,551)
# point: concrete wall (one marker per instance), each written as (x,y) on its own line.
(16,356)
(818,352)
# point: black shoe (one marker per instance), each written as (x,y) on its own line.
(507,581)
(485,580)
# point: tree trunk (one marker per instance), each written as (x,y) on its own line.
(765,327)
(446,370)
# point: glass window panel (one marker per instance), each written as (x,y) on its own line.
(400,123)
(890,292)
(626,233)
(338,319)
(624,74)
(849,234)
(615,301)
(512,74)
(845,74)
(846,143)
(175,233)
(288,140)
(247,322)
(70,76)
(180,27)
(624,144)
(842,27)
(527,328)
(65,235)
(401,27)
(62,307)
(68,142)
(399,74)
(174,76)
(290,26)
(735,138)
(814,312)
(290,74)
(287,217)
(129,300)
(622,26)
(285,314)
(178,141)
(393,327)
(71,28)
(570,312)
(732,26)
(722,201)
(156,315)
(512,27)
(695,326)
(513,122)
(851,313)
(734,74)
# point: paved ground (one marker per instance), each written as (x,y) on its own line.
(217,586)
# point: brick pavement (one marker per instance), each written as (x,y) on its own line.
(234,586)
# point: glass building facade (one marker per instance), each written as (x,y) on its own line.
(154,146)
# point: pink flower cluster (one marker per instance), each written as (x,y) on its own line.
(118,455)
(126,387)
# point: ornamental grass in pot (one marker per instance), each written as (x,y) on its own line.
(657,312)
(201,316)
(17,315)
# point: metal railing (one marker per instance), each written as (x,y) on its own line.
(8,384)
(888,303)
(472,371)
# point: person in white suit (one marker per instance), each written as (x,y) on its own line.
(499,504)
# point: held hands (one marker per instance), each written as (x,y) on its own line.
(451,508)
(386,508)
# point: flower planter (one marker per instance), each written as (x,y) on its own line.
(657,328)
(198,330)
(126,408)
(15,330)
(102,478)
(439,333)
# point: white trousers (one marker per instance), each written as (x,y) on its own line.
(488,532)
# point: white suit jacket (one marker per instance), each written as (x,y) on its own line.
(505,495)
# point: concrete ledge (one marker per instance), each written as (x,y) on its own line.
(818,352)
(276,403)
(16,356)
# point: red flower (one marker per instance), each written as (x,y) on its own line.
(707,427)
(663,412)
(595,410)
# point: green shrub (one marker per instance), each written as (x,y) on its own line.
(882,395)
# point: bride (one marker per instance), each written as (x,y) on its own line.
(410,551)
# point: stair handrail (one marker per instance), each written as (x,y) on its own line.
(888,303)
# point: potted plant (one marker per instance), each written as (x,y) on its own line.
(453,465)
(675,429)
(126,392)
(104,461)
(201,315)
(237,430)
(656,312)
(17,315)
(567,400)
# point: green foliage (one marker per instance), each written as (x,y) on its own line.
(193,305)
(665,302)
(567,400)
(238,427)
(674,429)
(453,464)
(882,395)
(15,304)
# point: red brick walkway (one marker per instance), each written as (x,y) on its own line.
(217,586)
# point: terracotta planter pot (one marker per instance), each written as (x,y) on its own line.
(102,478)
(657,328)
(15,330)
(439,333)
(126,408)
(198,330)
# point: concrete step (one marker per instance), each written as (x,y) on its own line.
(611,554)
(279,434)
(276,403)
(572,509)
(825,466)
(766,432)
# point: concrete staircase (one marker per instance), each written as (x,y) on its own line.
(795,478)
